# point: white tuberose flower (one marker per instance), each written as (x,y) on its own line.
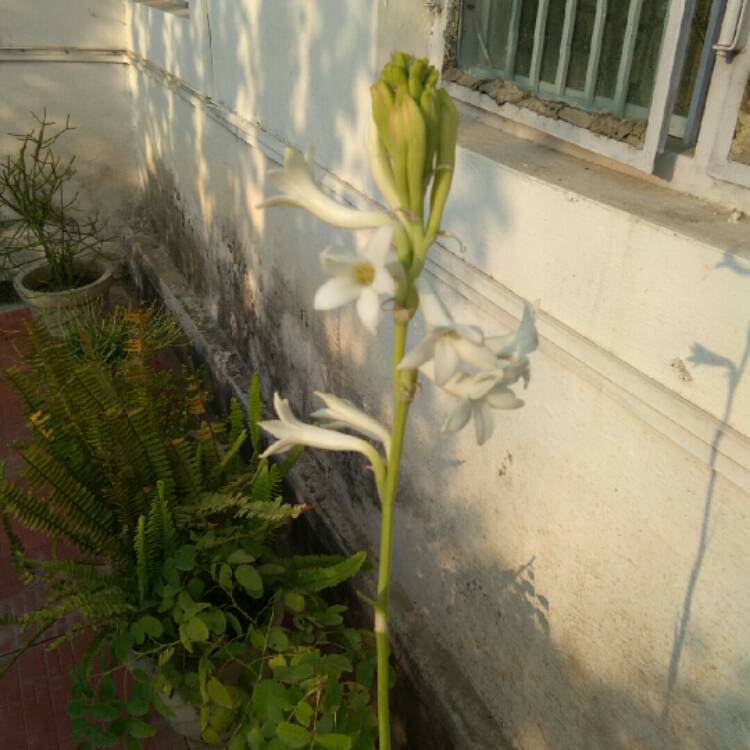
(359,276)
(290,431)
(479,394)
(516,346)
(339,413)
(446,342)
(296,181)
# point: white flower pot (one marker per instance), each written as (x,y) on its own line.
(58,310)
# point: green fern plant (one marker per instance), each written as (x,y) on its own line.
(174,517)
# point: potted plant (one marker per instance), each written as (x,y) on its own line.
(53,250)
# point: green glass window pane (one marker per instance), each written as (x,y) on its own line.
(552,40)
(526,30)
(646,55)
(582,34)
(693,56)
(615,25)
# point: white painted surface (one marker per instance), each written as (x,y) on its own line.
(58,55)
(606,484)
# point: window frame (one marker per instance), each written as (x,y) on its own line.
(727,89)
(674,45)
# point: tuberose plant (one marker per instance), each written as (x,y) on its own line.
(412,156)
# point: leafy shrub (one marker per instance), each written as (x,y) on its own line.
(179,579)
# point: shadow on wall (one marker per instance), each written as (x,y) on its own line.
(737,709)
(201,188)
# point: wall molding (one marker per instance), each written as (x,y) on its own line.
(63,55)
(687,425)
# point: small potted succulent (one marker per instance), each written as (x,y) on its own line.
(54,252)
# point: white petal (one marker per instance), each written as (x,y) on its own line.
(459,417)
(446,360)
(432,308)
(338,291)
(383,282)
(421,353)
(283,410)
(520,343)
(347,413)
(503,398)
(368,309)
(484,423)
(297,182)
(470,333)
(379,245)
(476,356)
(280,446)
(337,261)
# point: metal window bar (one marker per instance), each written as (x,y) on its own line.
(566,46)
(538,49)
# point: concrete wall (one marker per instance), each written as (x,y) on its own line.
(581,581)
(63,55)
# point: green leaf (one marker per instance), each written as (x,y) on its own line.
(211,736)
(304,712)
(103,738)
(137,706)
(184,558)
(107,690)
(196,587)
(250,580)
(225,577)
(318,578)
(152,627)
(234,622)
(271,700)
(219,694)
(334,741)
(294,602)
(278,639)
(105,712)
(195,630)
(140,729)
(240,556)
(76,709)
(215,619)
(131,743)
(237,743)
(293,735)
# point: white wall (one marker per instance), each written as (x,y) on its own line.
(582,578)
(61,55)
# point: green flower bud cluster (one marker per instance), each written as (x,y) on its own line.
(416,125)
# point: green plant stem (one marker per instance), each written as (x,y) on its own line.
(403,386)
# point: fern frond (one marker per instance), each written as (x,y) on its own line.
(141,558)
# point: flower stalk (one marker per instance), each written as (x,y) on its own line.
(412,153)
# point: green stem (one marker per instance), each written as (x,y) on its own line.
(403,387)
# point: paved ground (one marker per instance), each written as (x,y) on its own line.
(33,695)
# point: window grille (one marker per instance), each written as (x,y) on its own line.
(600,56)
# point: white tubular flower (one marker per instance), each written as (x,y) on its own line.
(359,276)
(479,394)
(447,343)
(342,414)
(296,181)
(515,347)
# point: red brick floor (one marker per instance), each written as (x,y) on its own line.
(34,693)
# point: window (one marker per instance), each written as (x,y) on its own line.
(177,7)
(615,76)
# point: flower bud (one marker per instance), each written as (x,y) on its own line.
(446,160)
(382,104)
(394,76)
(416,74)
(429,103)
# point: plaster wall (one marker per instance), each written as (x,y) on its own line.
(584,572)
(579,582)
(67,61)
